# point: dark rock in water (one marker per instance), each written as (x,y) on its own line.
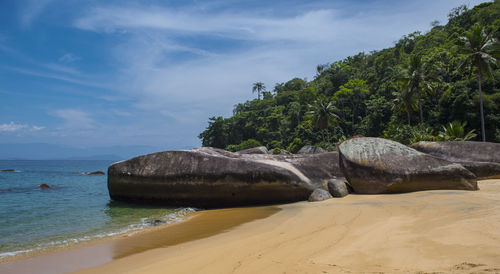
(481,158)
(44,186)
(97,173)
(8,170)
(255,150)
(155,222)
(311,150)
(319,195)
(337,188)
(214,178)
(375,165)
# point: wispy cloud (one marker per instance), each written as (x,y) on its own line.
(74,118)
(68,58)
(32,9)
(13,127)
(56,76)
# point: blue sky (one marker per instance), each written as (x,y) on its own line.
(103,73)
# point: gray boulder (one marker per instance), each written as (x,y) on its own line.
(214,178)
(255,150)
(481,158)
(337,188)
(307,149)
(319,195)
(376,165)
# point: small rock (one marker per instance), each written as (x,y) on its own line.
(155,222)
(96,173)
(44,186)
(337,188)
(319,195)
(307,149)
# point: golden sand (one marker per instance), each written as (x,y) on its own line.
(430,231)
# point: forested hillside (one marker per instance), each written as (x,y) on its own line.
(406,93)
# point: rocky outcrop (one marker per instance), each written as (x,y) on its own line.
(337,188)
(96,173)
(211,178)
(8,170)
(255,150)
(375,165)
(319,195)
(481,158)
(307,149)
(44,186)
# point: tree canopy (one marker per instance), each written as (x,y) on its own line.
(405,93)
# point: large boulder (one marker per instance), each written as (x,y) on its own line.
(481,158)
(375,165)
(307,149)
(212,178)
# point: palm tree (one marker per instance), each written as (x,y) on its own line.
(295,111)
(418,77)
(481,51)
(404,101)
(323,113)
(258,87)
(455,131)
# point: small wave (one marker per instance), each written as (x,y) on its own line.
(170,218)
(14,253)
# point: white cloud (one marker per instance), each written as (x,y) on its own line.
(55,74)
(32,9)
(182,92)
(13,127)
(68,58)
(74,118)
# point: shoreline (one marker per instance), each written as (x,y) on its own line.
(430,231)
(50,249)
(97,252)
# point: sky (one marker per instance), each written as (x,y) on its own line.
(127,73)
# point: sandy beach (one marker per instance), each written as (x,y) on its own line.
(429,231)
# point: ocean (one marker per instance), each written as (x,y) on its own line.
(76,208)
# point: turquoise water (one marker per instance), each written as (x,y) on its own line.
(76,208)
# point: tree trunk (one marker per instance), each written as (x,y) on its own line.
(483,132)
(409,117)
(420,109)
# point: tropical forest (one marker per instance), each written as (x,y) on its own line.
(441,85)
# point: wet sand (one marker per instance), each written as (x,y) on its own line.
(430,231)
(198,225)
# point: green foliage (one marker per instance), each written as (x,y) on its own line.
(250,143)
(276,151)
(421,133)
(455,131)
(295,145)
(402,93)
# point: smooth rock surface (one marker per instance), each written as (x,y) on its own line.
(255,150)
(307,149)
(319,195)
(481,158)
(376,165)
(337,188)
(214,178)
